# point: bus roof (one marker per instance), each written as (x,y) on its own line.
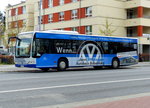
(71,35)
(53,31)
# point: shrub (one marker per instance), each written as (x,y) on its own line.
(5,59)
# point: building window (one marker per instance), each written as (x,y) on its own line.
(50,18)
(9,25)
(15,24)
(24,9)
(74,0)
(40,5)
(40,20)
(9,12)
(50,3)
(24,23)
(131,32)
(88,30)
(61,16)
(61,2)
(88,11)
(74,14)
(16,11)
(61,29)
(131,13)
(74,29)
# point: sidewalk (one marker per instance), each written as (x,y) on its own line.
(141,64)
(12,68)
(141,102)
(131,101)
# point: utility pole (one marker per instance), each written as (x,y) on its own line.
(80,12)
(40,17)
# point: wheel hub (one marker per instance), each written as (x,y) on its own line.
(62,65)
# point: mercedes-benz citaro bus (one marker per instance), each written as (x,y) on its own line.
(64,49)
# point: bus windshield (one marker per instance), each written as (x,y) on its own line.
(23,46)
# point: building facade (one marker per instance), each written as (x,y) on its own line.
(123,18)
(19,18)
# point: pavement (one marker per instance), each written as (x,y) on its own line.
(12,68)
(138,102)
(131,101)
(143,102)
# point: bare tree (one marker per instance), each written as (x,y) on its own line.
(2,27)
(106,29)
(17,27)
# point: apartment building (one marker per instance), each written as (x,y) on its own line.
(20,18)
(137,23)
(124,18)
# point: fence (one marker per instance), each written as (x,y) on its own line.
(146,57)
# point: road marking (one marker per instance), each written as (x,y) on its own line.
(73,85)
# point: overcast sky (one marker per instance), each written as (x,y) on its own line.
(4,3)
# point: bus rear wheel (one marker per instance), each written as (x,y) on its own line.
(62,65)
(115,63)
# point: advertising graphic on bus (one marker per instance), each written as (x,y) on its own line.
(62,49)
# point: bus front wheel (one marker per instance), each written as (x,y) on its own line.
(62,65)
(115,63)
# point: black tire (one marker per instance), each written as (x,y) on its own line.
(62,65)
(98,67)
(115,63)
(44,69)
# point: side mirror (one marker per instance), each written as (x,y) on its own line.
(16,38)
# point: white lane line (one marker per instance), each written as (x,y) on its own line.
(73,85)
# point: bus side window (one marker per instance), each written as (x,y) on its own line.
(41,46)
(105,47)
(112,48)
(133,46)
(44,48)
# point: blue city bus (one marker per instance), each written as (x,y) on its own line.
(64,49)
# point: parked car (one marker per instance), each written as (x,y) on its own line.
(3,51)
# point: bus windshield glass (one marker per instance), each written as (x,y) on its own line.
(23,45)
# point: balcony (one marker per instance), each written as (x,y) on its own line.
(137,21)
(136,3)
(140,31)
(138,16)
(139,12)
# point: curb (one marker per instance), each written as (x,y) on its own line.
(12,68)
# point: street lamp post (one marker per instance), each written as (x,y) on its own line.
(80,16)
(40,5)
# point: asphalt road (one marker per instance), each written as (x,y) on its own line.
(37,89)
